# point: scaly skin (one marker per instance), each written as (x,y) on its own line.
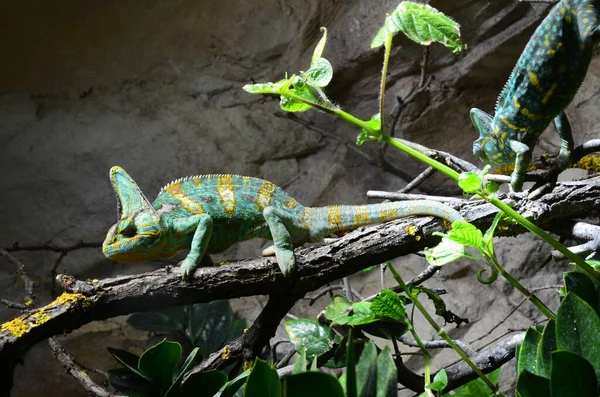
(209,213)
(544,81)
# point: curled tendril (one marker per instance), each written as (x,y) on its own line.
(493,276)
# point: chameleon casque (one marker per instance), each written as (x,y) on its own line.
(542,84)
(209,213)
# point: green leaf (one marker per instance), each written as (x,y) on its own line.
(300,89)
(385,329)
(530,385)
(268,88)
(545,348)
(366,371)
(312,384)
(578,330)
(130,384)
(338,307)
(440,381)
(581,285)
(572,375)
(262,381)
(422,24)
(359,314)
(386,375)
(477,387)
(445,252)
(388,304)
(203,384)
(210,328)
(466,234)
(594,264)
(159,362)
(129,360)
(491,187)
(318,52)
(470,182)
(487,243)
(300,364)
(310,336)
(527,358)
(375,133)
(232,386)
(319,74)
(187,363)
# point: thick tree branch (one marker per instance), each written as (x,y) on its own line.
(88,301)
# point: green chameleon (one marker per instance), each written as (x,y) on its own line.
(544,81)
(209,213)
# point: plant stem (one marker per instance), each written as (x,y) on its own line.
(545,236)
(515,283)
(421,157)
(426,356)
(441,332)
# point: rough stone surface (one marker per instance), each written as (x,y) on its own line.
(154,86)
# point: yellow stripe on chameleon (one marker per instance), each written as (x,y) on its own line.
(532,116)
(176,191)
(361,216)
(226,192)
(512,126)
(533,79)
(386,212)
(334,217)
(291,203)
(265,193)
(548,94)
(307,217)
(516,102)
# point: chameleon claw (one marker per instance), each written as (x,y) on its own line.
(286,261)
(187,269)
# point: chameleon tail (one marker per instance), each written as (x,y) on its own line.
(346,217)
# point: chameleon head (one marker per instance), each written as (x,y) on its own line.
(138,234)
(491,147)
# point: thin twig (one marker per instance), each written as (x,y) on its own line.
(419,179)
(439,344)
(29,299)
(73,369)
(403,196)
(513,310)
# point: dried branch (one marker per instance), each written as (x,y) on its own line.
(62,250)
(316,266)
(73,369)
(580,231)
(418,180)
(403,196)
(439,344)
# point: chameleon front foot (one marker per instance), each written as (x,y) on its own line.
(187,268)
(285,260)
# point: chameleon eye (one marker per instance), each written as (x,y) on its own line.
(128,229)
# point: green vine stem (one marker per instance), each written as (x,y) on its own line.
(515,283)
(426,356)
(442,333)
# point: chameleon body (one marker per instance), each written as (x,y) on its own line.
(542,84)
(209,213)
